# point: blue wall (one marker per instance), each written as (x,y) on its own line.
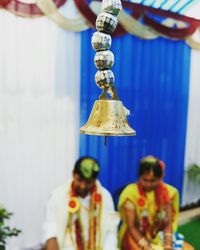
(152,78)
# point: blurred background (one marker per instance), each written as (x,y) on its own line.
(47,91)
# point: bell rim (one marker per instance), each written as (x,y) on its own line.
(108,133)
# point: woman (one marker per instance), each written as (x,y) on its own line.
(149,211)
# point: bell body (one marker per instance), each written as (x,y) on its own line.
(108,118)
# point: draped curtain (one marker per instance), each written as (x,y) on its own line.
(39,117)
(191,190)
(152,78)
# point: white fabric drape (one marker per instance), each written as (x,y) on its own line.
(39,117)
(191,191)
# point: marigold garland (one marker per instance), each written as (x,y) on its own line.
(94,241)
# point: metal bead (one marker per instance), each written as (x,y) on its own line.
(111,6)
(104,59)
(104,79)
(101,41)
(106,23)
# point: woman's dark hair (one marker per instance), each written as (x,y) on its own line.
(94,167)
(146,166)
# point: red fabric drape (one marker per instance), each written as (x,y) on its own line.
(26,9)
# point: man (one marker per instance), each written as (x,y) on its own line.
(80,214)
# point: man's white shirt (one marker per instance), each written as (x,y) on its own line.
(55,224)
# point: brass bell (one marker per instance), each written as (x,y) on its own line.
(108,118)
(108,115)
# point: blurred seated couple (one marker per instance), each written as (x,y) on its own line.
(80,214)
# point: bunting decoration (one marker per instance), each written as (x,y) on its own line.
(142,21)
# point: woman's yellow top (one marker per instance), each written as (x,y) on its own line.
(147,205)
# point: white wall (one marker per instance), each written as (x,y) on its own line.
(39,117)
(191,190)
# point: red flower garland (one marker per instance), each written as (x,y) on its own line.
(141,202)
(162,198)
(72,204)
(74,207)
(161,194)
(97,197)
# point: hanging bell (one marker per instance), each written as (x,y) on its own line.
(108,118)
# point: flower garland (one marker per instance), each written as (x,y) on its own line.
(161,198)
(146,228)
(94,221)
